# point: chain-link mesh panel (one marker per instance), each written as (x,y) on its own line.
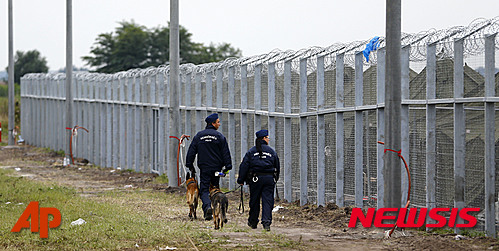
(236,152)
(474,81)
(295,159)
(349,86)
(279,148)
(330,89)
(225,92)
(295,93)
(445,78)
(251,92)
(312,158)
(370,158)
(417,156)
(369,86)
(265,92)
(279,93)
(251,131)
(445,158)
(312,92)
(475,156)
(349,146)
(330,151)
(417,83)
(237,91)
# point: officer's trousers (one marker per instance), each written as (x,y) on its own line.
(207,178)
(262,189)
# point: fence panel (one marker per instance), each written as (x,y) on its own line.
(324,108)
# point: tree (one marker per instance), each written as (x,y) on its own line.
(122,51)
(135,46)
(28,62)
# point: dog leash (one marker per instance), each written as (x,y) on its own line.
(241,201)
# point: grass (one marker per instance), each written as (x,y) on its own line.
(4,110)
(117,219)
(161,179)
(59,153)
(109,226)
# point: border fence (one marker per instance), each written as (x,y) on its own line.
(323,107)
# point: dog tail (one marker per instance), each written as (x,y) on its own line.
(225,205)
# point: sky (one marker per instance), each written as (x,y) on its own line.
(256,27)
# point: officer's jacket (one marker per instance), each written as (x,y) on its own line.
(269,163)
(212,150)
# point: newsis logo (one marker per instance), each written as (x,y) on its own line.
(39,219)
(415,219)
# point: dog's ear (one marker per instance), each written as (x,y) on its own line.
(188,176)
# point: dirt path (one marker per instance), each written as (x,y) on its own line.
(323,228)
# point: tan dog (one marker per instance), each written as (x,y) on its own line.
(192,195)
(219,203)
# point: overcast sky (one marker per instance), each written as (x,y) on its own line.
(255,27)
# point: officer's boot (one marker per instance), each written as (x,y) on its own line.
(208,215)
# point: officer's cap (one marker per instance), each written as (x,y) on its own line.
(212,118)
(262,133)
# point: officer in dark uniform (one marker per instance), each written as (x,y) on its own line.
(213,156)
(260,169)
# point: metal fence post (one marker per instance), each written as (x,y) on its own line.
(199,104)
(490,165)
(359,131)
(244,107)
(459,130)
(138,126)
(380,122)
(288,189)
(95,122)
(404,120)
(122,82)
(231,137)
(431,154)
(130,130)
(116,125)
(188,104)
(109,122)
(303,134)
(271,105)
(321,135)
(160,82)
(258,98)
(340,132)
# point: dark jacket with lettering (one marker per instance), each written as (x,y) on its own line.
(212,150)
(268,163)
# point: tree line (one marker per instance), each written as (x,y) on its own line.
(132,46)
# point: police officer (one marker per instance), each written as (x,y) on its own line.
(213,156)
(260,169)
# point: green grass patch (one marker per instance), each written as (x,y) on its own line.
(161,179)
(59,153)
(109,225)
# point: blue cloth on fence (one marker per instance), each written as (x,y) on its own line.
(371,46)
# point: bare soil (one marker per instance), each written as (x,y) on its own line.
(314,228)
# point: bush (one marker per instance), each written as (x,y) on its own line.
(5,88)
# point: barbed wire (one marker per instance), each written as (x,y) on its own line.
(472,35)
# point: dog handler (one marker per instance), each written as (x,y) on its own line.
(213,156)
(260,169)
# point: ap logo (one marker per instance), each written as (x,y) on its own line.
(39,217)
